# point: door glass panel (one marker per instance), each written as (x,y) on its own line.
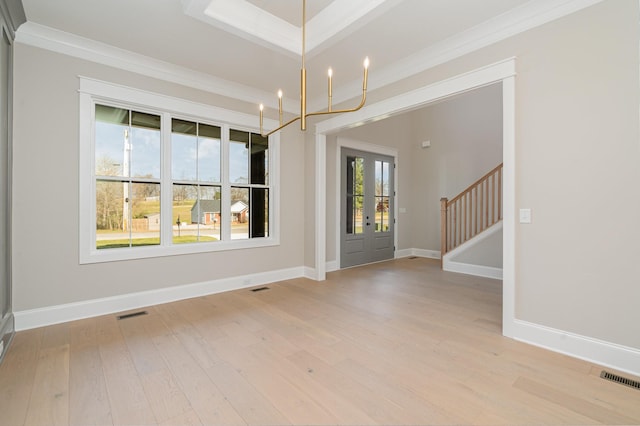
(382,196)
(354,195)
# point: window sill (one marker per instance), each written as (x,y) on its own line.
(135,253)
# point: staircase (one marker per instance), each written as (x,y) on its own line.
(472,213)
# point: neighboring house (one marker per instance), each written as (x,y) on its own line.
(206,212)
(239,212)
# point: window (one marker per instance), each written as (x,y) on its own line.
(157,183)
(196,180)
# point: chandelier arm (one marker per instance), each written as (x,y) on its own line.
(303,91)
(293,120)
(339,111)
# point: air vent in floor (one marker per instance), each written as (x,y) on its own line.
(259,289)
(619,379)
(131,315)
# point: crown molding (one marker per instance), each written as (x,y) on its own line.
(48,38)
(13,14)
(518,20)
(250,22)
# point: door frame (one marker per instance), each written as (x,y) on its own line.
(7,321)
(373,149)
(500,72)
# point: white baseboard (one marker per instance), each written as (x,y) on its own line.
(310,273)
(399,254)
(430,254)
(331,266)
(477,270)
(40,317)
(618,357)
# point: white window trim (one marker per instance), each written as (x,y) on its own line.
(92,91)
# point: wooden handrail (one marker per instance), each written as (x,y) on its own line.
(471,212)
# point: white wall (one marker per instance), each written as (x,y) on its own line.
(45,196)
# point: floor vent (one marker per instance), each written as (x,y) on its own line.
(259,289)
(131,315)
(413,257)
(619,379)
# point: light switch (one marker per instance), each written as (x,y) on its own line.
(525,215)
(403,209)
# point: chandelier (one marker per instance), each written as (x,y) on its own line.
(303,92)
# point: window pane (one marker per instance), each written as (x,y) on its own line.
(184,150)
(112,126)
(110,230)
(259,159)
(145,151)
(208,153)
(209,211)
(113,115)
(195,151)
(259,217)
(185,213)
(196,213)
(238,157)
(144,201)
(122,150)
(239,213)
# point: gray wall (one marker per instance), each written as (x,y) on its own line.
(577,167)
(466,142)
(45,196)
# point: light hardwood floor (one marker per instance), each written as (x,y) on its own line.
(397,342)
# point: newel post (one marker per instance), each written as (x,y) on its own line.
(443,229)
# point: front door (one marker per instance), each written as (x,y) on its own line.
(367,206)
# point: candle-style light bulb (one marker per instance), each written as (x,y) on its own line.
(280,106)
(330,74)
(366,74)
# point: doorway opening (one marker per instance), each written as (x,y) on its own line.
(502,72)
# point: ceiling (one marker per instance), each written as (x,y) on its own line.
(256,44)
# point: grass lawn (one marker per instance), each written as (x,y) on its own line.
(106,244)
